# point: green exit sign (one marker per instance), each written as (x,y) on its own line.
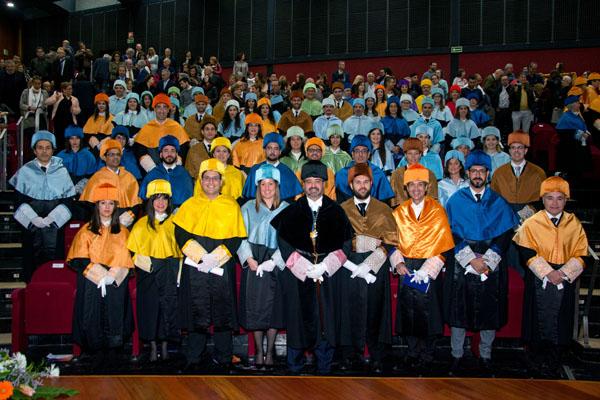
(456,49)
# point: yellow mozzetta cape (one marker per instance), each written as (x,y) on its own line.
(125,183)
(100,125)
(108,249)
(159,243)
(151,133)
(220,218)
(556,244)
(426,237)
(233,182)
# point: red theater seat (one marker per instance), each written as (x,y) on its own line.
(544,145)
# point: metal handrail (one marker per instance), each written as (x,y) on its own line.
(4,171)
(20,142)
(589,297)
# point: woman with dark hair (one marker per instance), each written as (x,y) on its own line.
(293,155)
(147,85)
(248,151)
(454,176)
(395,127)
(146,105)
(261,295)
(132,117)
(102,316)
(240,66)
(298,84)
(461,125)
(99,124)
(250,100)
(232,125)
(157,257)
(270,118)
(381,155)
(194,78)
(65,108)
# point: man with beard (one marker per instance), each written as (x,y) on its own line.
(437,135)
(181,182)
(200,144)
(148,138)
(476,284)
(289,187)
(364,284)
(314,237)
(113,173)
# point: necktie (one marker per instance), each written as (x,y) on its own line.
(44,169)
(62,66)
(362,208)
(478,197)
(554,221)
(426,120)
(517,171)
(339,104)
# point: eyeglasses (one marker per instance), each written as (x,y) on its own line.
(315,150)
(478,171)
(113,154)
(517,147)
(361,151)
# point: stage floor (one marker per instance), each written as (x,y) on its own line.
(305,388)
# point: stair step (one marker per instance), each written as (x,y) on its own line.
(594,343)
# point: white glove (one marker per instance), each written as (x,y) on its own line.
(361,271)
(471,270)
(420,277)
(317,271)
(126,219)
(349,265)
(39,222)
(109,280)
(80,185)
(545,283)
(102,286)
(209,261)
(266,266)
(525,213)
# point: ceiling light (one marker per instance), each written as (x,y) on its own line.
(10,4)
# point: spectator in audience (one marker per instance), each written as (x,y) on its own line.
(295,116)
(460,79)
(240,66)
(99,124)
(335,158)
(33,108)
(39,65)
(430,72)
(533,77)
(165,82)
(65,108)
(84,59)
(12,84)
(522,102)
(340,75)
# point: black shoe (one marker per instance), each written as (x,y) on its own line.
(346,365)
(411,362)
(456,366)
(485,364)
(377,367)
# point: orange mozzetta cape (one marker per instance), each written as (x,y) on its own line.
(329,184)
(100,125)
(124,182)
(426,237)
(556,244)
(108,249)
(151,133)
(247,153)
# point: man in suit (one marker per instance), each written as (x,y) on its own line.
(165,81)
(63,68)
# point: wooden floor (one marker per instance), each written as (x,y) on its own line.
(308,388)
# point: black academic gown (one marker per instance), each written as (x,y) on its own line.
(100,322)
(470,303)
(547,313)
(207,299)
(420,314)
(311,308)
(157,300)
(261,299)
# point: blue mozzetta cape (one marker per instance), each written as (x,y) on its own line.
(258,227)
(79,164)
(54,184)
(182,184)
(381,189)
(288,188)
(474,221)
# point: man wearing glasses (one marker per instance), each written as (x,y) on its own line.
(476,284)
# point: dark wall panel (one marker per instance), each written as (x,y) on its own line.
(259,29)
(493,22)
(337,26)
(357,26)
(283,28)
(300,27)
(470,22)
(318,27)
(398,24)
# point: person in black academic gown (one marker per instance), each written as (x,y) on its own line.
(314,237)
